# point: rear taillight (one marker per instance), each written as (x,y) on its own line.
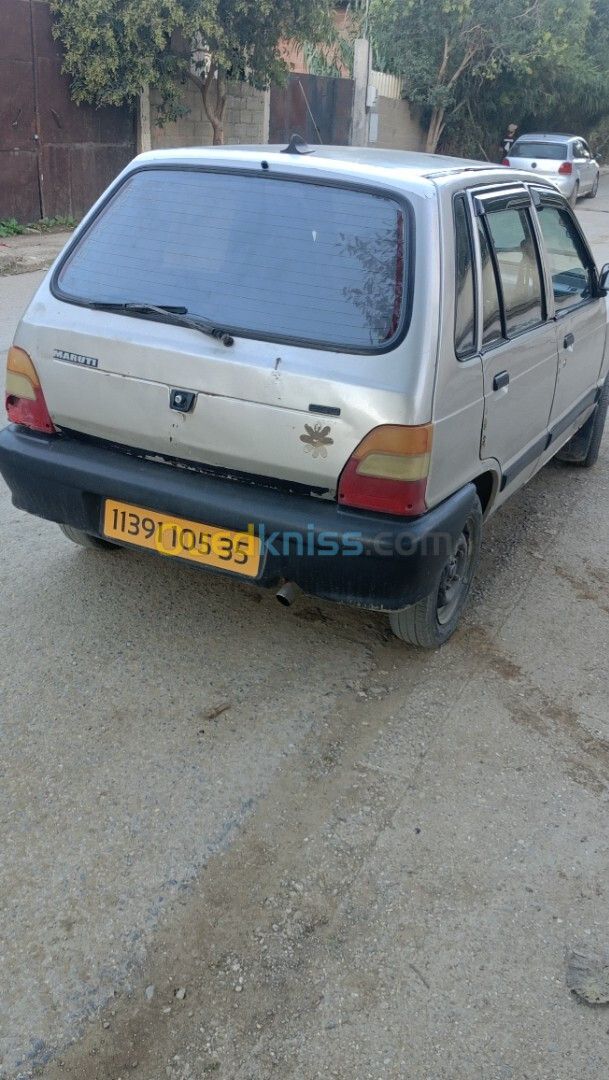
(506,161)
(565,169)
(25,402)
(388,471)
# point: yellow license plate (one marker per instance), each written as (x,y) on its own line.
(206,545)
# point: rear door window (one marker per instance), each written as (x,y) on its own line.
(492,330)
(512,280)
(517,259)
(570,265)
(265,256)
(465,300)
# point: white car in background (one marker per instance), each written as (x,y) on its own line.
(565,159)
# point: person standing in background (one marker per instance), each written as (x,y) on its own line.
(505,143)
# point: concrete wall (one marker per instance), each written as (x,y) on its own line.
(398,126)
(246,120)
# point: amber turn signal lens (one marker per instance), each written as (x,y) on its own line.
(19,363)
(388,470)
(395,439)
(25,404)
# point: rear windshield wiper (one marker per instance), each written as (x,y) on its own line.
(179,316)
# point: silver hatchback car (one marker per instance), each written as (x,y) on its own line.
(565,159)
(309,368)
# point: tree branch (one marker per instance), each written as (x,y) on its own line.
(444,63)
(469,56)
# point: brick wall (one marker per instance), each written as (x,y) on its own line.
(246,120)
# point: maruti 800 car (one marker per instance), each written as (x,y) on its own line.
(309,369)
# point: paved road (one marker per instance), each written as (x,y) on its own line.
(369,865)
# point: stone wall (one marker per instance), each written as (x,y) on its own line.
(246,120)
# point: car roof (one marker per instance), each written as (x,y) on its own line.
(558,137)
(357,163)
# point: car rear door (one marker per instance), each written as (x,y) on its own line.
(582,166)
(591,165)
(518,339)
(581,315)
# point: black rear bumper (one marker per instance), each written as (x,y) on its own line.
(350,556)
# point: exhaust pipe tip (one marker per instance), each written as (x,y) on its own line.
(287,594)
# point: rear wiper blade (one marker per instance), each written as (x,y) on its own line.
(170,313)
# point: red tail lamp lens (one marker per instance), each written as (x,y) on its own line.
(388,471)
(25,402)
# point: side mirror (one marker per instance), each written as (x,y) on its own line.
(603,280)
(598,157)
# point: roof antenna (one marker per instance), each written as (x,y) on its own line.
(297,145)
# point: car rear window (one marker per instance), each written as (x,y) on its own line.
(270,257)
(548,151)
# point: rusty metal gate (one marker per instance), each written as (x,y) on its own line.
(314,106)
(55,157)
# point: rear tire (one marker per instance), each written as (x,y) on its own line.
(431,622)
(86,540)
(573,197)
(592,194)
(583,448)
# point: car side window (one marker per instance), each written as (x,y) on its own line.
(465,302)
(570,267)
(517,258)
(491,310)
(585,150)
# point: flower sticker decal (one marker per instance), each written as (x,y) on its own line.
(316,440)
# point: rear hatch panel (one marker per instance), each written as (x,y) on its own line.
(271,411)
(315,280)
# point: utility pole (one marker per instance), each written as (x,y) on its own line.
(362,63)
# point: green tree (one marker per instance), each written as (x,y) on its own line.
(445,49)
(113,48)
(568,96)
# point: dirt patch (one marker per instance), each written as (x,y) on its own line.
(250,942)
(24,254)
(584,590)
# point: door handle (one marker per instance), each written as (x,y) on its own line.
(569,341)
(501,379)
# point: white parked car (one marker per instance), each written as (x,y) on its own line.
(565,159)
(316,369)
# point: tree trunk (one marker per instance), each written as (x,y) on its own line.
(435,129)
(214,94)
(214,102)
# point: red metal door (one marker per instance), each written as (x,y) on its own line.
(314,106)
(19,186)
(55,157)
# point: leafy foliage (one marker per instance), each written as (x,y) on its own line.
(115,47)
(333,56)
(473,64)
(10,227)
